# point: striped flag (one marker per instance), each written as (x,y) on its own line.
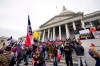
(29,36)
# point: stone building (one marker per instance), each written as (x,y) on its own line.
(66,23)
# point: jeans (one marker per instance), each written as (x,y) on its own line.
(81,58)
(18,62)
(62,53)
(55,61)
(31,55)
(46,54)
(27,59)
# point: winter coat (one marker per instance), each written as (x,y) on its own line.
(5,59)
(68,50)
(79,50)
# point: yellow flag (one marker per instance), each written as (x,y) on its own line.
(94,28)
(35,35)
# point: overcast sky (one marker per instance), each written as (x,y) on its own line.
(14,13)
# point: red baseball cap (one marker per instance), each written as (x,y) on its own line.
(92,45)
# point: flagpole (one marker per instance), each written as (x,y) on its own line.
(57,10)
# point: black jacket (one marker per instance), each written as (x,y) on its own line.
(79,50)
(68,50)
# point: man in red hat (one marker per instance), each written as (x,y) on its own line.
(93,52)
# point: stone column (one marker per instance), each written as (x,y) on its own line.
(48,33)
(99,20)
(67,31)
(53,33)
(74,26)
(91,24)
(43,36)
(39,35)
(51,36)
(60,32)
(82,22)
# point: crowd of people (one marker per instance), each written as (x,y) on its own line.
(40,52)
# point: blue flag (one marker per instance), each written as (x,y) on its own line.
(29,29)
(10,41)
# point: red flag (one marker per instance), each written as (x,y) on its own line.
(27,41)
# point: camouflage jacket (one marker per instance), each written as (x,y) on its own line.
(5,59)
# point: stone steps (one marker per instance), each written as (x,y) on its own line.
(62,61)
(50,63)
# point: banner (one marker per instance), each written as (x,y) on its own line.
(96,34)
(86,31)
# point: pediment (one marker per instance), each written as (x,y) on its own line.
(56,19)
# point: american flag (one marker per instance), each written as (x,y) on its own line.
(29,37)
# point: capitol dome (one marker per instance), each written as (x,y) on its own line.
(66,12)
